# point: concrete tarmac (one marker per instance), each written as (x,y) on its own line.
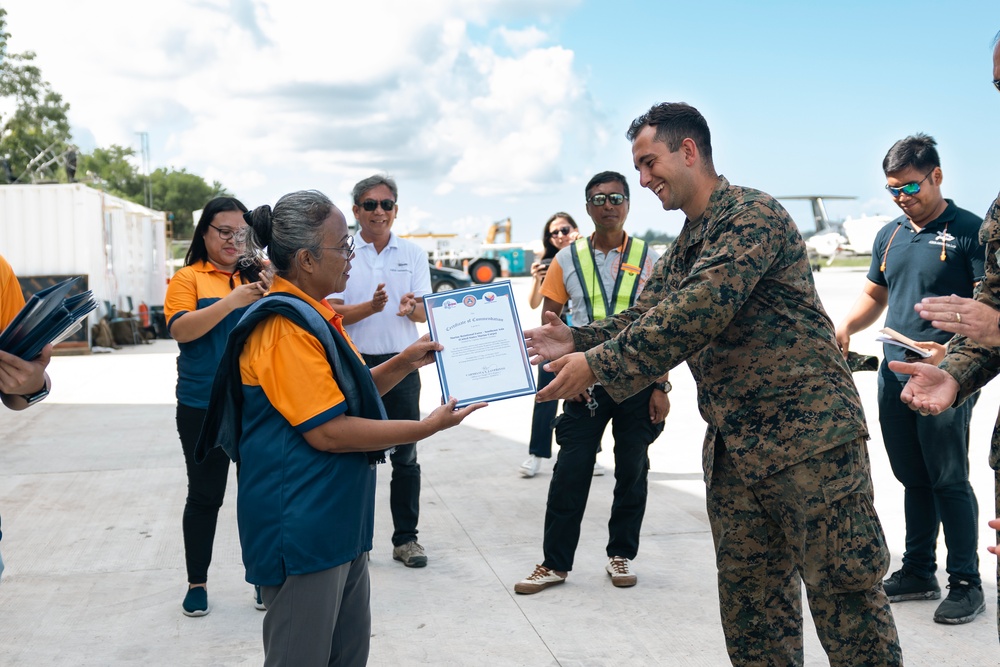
(92,488)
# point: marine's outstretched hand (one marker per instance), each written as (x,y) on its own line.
(550,341)
(930,390)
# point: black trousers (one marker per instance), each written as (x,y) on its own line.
(579,437)
(402,402)
(206,490)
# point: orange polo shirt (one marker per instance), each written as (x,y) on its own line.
(289,364)
(11,297)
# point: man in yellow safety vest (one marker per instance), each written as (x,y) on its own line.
(602,275)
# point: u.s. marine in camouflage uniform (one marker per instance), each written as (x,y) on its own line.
(785,459)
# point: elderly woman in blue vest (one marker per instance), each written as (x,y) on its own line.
(295,404)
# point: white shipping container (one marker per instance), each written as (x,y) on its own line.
(73,229)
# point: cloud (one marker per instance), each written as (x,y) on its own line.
(244,89)
(522,40)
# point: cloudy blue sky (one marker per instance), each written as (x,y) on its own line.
(487,109)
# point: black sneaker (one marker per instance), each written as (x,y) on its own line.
(902,586)
(964,603)
(195,602)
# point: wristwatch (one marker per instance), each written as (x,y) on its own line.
(37,396)
(664,386)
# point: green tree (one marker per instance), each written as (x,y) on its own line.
(175,190)
(111,170)
(35,139)
(35,145)
(181,193)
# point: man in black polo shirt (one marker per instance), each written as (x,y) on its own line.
(933,249)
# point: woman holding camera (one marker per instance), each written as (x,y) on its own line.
(559,232)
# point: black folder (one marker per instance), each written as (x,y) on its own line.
(48,317)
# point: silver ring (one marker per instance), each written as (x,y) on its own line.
(958,318)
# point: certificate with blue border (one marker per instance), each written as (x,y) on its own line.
(484,357)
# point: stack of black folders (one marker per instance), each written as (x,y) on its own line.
(48,317)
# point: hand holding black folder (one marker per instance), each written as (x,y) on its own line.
(47,317)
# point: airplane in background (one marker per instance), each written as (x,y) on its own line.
(828,239)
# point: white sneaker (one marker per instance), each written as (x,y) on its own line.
(539,580)
(598,469)
(620,571)
(530,466)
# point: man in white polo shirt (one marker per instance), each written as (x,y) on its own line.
(381,306)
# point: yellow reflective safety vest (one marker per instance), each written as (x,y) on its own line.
(626,284)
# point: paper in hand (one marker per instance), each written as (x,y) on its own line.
(893,337)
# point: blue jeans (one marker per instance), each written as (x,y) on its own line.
(542,417)
(402,402)
(930,457)
(579,437)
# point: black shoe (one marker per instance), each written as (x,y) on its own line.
(195,602)
(964,603)
(902,586)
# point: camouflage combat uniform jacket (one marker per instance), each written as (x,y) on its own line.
(735,298)
(974,365)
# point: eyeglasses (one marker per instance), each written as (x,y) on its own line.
(996,83)
(224,234)
(562,231)
(909,188)
(370,205)
(598,200)
(348,250)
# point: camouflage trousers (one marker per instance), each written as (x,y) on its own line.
(813,522)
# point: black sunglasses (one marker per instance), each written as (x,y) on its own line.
(561,231)
(616,199)
(996,83)
(386,204)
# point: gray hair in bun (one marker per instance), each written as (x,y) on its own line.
(295,223)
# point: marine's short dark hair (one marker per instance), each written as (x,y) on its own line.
(606,177)
(917,151)
(675,122)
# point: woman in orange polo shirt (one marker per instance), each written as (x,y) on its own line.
(560,230)
(22,383)
(204,301)
(310,427)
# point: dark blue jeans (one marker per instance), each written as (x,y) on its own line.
(930,457)
(205,493)
(579,437)
(402,402)
(541,419)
